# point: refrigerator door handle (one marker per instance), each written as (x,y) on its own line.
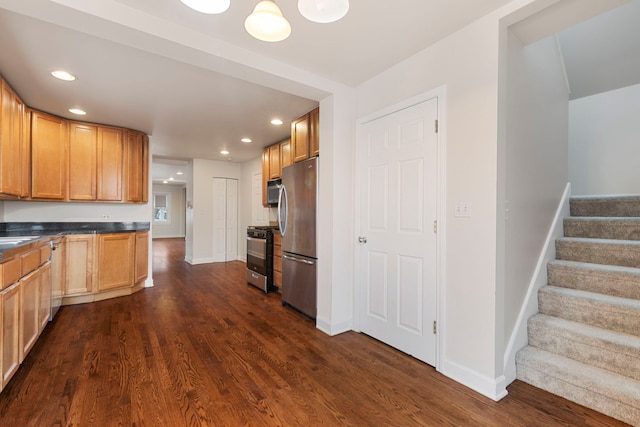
(283,200)
(292,258)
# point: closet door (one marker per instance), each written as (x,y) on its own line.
(225,219)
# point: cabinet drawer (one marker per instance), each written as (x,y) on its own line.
(30,261)
(10,272)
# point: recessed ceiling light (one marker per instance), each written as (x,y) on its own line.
(178,173)
(224,152)
(247,140)
(63,75)
(171,178)
(77,111)
(165,182)
(276,122)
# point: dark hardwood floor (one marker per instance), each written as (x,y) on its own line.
(202,348)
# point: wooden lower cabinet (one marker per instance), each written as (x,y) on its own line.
(277,259)
(142,256)
(29,316)
(115,260)
(10,328)
(78,265)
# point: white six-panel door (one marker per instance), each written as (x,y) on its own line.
(397,159)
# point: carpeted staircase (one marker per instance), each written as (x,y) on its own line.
(584,344)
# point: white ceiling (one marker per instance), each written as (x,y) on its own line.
(199,83)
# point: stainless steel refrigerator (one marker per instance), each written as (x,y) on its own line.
(297,204)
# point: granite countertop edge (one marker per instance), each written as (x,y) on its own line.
(47,230)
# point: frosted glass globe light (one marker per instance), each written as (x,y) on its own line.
(323,11)
(211,7)
(266,23)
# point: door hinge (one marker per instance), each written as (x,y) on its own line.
(435,227)
(434,327)
(436,126)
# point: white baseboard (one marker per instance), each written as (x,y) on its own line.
(199,261)
(333,329)
(148,283)
(493,388)
(529,307)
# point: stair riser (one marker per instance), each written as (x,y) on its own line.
(612,283)
(599,253)
(618,359)
(597,314)
(606,207)
(599,229)
(582,396)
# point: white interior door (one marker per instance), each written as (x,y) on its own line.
(397,156)
(225,219)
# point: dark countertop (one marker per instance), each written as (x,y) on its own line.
(32,233)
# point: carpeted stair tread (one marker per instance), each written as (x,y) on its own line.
(606,392)
(605,206)
(599,251)
(605,349)
(621,228)
(611,280)
(603,311)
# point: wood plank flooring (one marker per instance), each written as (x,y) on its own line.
(202,348)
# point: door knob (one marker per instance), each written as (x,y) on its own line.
(362,239)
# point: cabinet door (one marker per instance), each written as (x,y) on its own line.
(115,260)
(79,262)
(285,154)
(48,156)
(265,175)
(44,304)
(29,319)
(11,134)
(274,161)
(314,135)
(136,166)
(142,256)
(10,328)
(109,164)
(300,138)
(83,140)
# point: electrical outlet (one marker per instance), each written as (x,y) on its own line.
(105,216)
(463,210)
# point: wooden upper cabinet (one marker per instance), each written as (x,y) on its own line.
(49,140)
(109,164)
(314,134)
(285,154)
(274,161)
(265,175)
(136,167)
(83,141)
(12,136)
(300,138)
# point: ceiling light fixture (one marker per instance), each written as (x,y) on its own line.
(224,152)
(77,111)
(246,140)
(178,173)
(63,75)
(323,11)
(211,7)
(276,122)
(266,23)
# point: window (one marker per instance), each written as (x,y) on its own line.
(161,206)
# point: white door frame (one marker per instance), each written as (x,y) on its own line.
(439,93)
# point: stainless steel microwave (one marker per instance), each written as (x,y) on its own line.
(273,191)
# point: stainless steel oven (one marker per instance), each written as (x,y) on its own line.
(260,257)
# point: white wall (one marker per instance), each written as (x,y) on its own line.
(603,143)
(535,169)
(176,225)
(200,221)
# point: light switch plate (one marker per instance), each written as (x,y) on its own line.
(463,210)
